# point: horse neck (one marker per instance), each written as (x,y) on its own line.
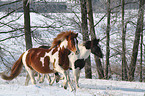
(64,44)
(84,53)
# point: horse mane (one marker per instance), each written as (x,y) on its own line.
(60,37)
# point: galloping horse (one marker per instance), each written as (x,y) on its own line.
(50,60)
(77,62)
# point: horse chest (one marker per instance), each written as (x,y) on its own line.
(63,60)
(79,63)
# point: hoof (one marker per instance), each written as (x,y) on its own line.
(57,81)
(50,84)
(77,87)
(41,81)
(65,87)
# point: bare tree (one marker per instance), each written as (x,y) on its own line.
(139,29)
(124,63)
(88,72)
(93,35)
(108,39)
(141,56)
(27,27)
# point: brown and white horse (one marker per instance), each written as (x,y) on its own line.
(50,60)
(77,62)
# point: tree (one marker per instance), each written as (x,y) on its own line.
(84,26)
(141,56)
(124,63)
(93,36)
(27,28)
(139,29)
(107,39)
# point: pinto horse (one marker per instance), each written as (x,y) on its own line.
(77,62)
(50,60)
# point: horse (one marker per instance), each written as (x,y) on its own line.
(77,62)
(52,60)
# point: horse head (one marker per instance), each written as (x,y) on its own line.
(73,43)
(67,40)
(95,47)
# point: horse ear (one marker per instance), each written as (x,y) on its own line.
(67,37)
(95,41)
(98,40)
(87,44)
(76,34)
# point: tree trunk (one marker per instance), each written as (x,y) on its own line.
(124,63)
(139,29)
(88,71)
(27,29)
(141,56)
(107,39)
(93,36)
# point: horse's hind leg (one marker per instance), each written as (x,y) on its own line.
(31,74)
(27,79)
(38,77)
(30,71)
(57,77)
(52,80)
(49,78)
(42,78)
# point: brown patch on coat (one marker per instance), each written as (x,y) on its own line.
(63,58)
(33,60)
(54,50)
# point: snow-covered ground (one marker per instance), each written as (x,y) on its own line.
(88,87)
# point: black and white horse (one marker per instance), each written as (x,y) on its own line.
(78,61)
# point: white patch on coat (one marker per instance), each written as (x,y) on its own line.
(30,71)
(76,45)
(84,54)
(64,44)
(24,58)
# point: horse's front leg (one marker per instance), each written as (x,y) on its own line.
(67,80)
(75,73)
(77,78)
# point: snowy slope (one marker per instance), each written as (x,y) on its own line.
(88,87)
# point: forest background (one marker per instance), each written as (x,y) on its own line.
(118,23)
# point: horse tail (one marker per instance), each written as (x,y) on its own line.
(15,71)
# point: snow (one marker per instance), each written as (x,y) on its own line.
(88,87)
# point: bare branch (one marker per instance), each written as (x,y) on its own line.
(10,13)
(10,3)
(11,37)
